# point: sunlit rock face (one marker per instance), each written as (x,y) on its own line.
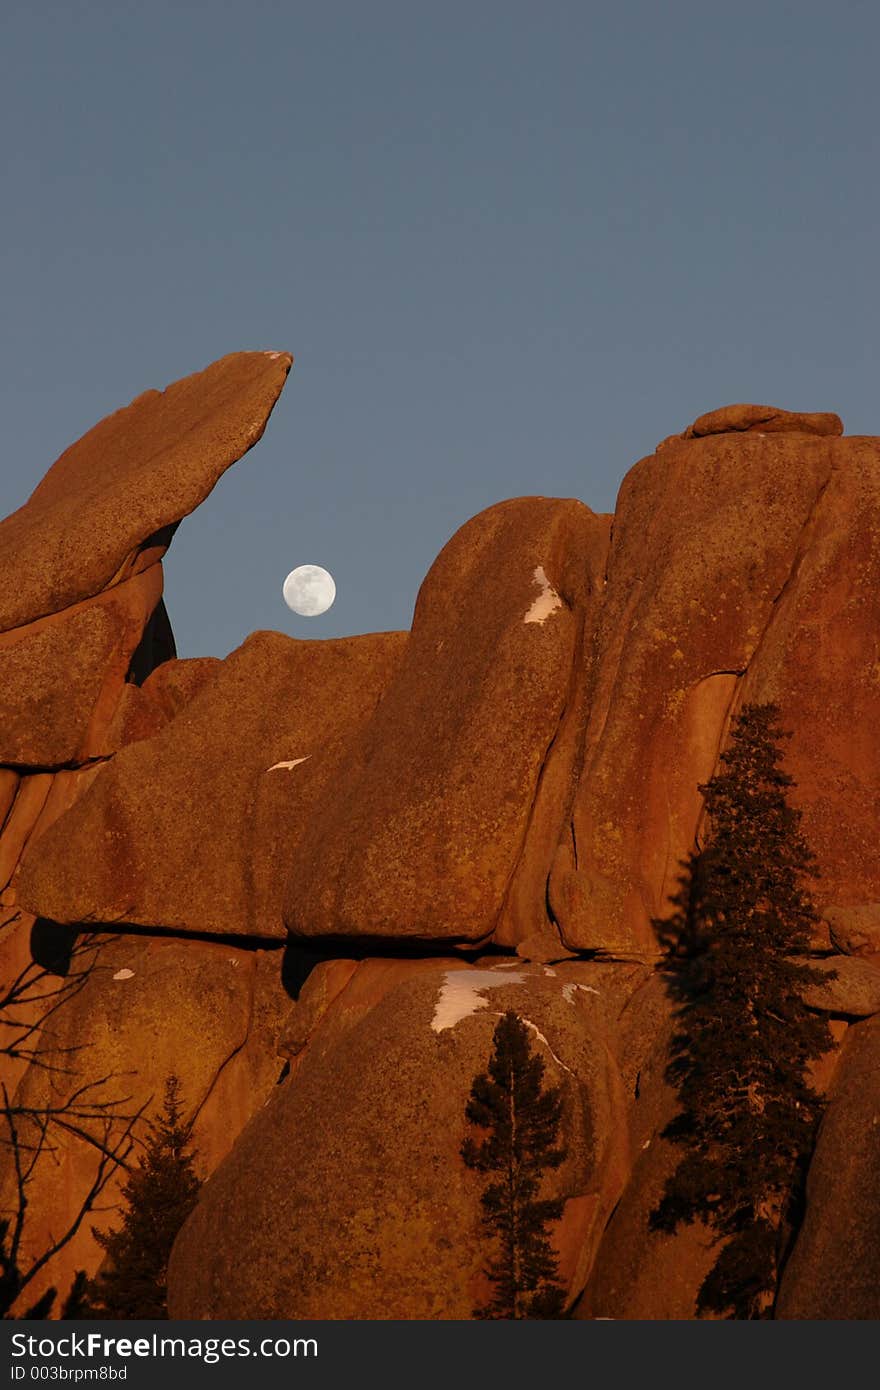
(744,565)
(87,665)
(82,623)
(518,776)
(219,795)
(347,1197)
(456,788)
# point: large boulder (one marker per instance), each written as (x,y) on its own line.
(744,565)
(346,1196)
(834,1270)
(456,790)
(847,987)
(187,829)
(107,508)
(855,930)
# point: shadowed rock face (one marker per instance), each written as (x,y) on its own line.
(834,1271)
(62,677)
(137,1010)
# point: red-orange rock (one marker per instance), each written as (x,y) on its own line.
(855,930)
(743,566)
(445,831)
(766,419)
(23,816)
(138,1009)
(143,710)
(189,829)
(834,1269)
(818,660)
(372,1119)
(62,677)
(110,503)
(850,987)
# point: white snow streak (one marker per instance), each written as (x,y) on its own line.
(569,989)
(460,994)
(540,1036)
(547,601)
(294,762)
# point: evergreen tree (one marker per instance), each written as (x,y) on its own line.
(160,1194)
(523,1122)
(745,1037)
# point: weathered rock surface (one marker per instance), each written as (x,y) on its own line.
(522,770)
(855,930)
(818,660)
(766,419)
(108,506)
(145,709)
(358,1204)
(129,1002)
(851,987)
(444,832)
(186,830)
(834,1270)
(639,1273)
(62,677)
(743,565)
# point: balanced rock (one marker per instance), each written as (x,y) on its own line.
(766,419)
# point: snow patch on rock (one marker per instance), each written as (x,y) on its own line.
(124,975)
(569,989)
(461,994)
(547,601)
(293,762)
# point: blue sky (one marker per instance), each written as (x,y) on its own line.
(510,245)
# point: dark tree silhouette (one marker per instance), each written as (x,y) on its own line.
(160,1193)
(736,946)
(523,1122)
(32,1133)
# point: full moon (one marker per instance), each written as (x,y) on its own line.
(309,590)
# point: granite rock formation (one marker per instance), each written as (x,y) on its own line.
(405,834)
(235,779)
(395,1229)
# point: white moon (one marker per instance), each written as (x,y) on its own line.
(309,590)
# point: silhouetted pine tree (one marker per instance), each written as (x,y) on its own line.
(523,1122)
(745,1037)
(160,1194)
